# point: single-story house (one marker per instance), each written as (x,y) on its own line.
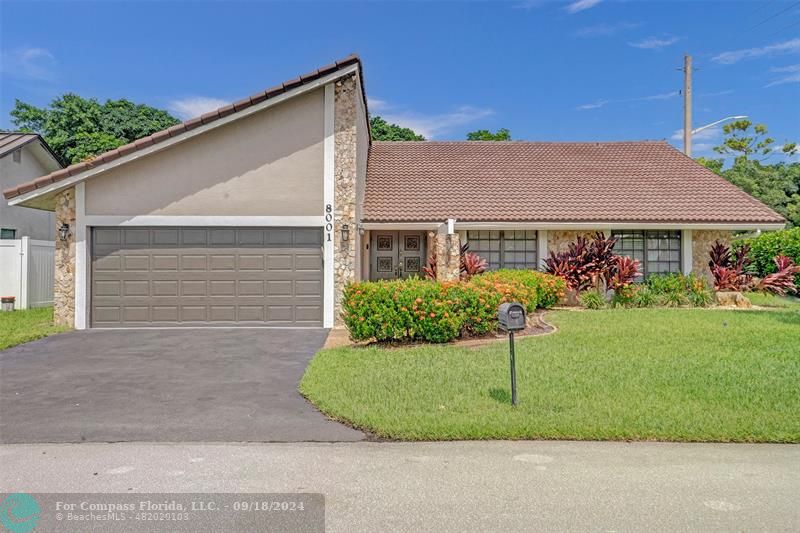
(259,213)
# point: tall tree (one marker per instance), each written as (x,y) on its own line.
(777,185)
(384,131)
(78,128)
(485,135)
(744,142)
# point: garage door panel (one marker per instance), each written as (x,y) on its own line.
(164,262)
(206,276)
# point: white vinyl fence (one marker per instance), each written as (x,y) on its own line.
(27,269)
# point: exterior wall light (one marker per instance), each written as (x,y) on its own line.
(345,232)
(63,231)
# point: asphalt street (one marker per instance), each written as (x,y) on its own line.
(458,486)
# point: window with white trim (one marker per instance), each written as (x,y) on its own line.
(658,251)
(515,249)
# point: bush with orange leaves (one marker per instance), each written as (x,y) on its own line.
(420,310)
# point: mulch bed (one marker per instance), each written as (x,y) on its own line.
(535,326)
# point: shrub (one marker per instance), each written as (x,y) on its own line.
(673,290)
(470,264)
(730,271)
(572,265)
(643,296)
(625,296)
(782,281)
(403,309)
(765,247)
(417,309)
(592,263)
(592,300)
(622,273)
(545,289)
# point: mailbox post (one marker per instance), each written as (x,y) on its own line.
(512,318)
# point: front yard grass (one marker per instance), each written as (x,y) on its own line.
(26,325)
(638,374)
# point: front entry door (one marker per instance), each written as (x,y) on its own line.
(397,254)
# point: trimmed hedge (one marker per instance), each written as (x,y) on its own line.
(417,309)
(769,244)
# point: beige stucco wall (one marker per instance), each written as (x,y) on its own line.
(28,222)
(267,164)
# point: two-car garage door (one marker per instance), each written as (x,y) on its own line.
(206,276)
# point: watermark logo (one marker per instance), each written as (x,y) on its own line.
(19,513)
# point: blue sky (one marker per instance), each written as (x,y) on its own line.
(547,70)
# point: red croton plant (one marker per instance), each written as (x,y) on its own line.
(730,272)
(471,264)
(591,263)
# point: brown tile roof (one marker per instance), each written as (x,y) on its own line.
(183,127)
(12,140)
(647,181)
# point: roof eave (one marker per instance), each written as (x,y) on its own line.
(81,172)
(597,225)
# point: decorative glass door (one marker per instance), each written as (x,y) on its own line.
(396,254)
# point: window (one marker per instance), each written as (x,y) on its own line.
(8,233)
(505,249)
(659,252)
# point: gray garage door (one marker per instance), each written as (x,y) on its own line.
(206,276)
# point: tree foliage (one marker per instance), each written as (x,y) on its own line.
(78,128)
(384,131)
(777,184)
(485,135)
(745,139)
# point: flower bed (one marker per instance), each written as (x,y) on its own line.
(416,309)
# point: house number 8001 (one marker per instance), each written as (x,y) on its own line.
(328,221)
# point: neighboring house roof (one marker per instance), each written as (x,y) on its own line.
(13,140)
(474,181)
(179,129)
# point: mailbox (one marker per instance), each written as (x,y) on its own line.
(511,316)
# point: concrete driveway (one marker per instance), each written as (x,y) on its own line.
(174,385)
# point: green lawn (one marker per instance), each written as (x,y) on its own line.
(771,300)
(641,374)
(20,326)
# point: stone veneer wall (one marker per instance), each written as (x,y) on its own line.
(64,287)
(345,173)
(701,245)
(558,240)
(448,256)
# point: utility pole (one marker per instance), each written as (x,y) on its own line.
(687,105)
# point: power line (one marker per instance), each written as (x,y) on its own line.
(792,25)
(782,11)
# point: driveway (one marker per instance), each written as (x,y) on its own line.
(174,385)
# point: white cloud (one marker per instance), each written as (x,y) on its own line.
(432,126)
(703,142)
(707,135)
(605,30)
(791,46)
(789,74)
(376,104)
(194,106)
(528,4)
(602,103)
(29,63)
(717,93)
(581,5)
(594,105)
(655,43)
